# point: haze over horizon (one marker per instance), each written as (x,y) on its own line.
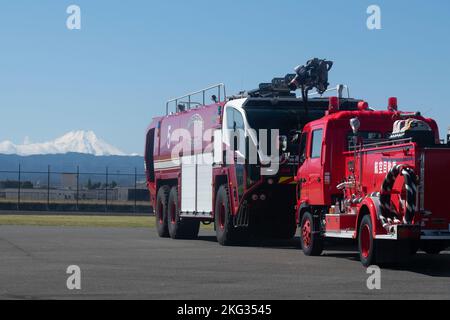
(116,73)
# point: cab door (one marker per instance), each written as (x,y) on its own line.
(303,168)
(310,173)
(315,166)
(236,142)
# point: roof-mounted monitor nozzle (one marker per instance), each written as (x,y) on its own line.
(279,87)
(312,75)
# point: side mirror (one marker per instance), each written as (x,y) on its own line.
(302,159)
(283,143)
(355,124)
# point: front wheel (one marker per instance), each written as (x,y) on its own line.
(366,242)
(312,241)
(226,233)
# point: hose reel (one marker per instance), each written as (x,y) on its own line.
(411,182)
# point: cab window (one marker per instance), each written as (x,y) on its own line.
(234,120)
(230,118)
(238,120)
(235,124)
(316,144)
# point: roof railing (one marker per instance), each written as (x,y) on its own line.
(187,100)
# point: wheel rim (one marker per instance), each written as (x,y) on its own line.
(306,233)
(222,216)
(173,214)
(160,214)
(365,241)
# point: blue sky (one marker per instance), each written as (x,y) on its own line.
(114,74)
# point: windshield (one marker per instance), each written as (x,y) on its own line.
(285,120)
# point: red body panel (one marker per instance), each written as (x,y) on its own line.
(436,178)
(208,116)
(337,222)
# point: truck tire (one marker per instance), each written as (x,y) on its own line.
(180,228)
(162,199)
(433,247)
(366,242)
(226,233)
(311,240)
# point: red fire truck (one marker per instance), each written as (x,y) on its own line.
(332,168)
(377,177)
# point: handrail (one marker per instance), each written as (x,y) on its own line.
(220,88)
(381,144)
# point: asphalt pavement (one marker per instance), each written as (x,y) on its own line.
(120,263)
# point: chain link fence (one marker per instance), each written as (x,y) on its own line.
(109,192)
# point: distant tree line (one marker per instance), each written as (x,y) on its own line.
(12,184)
(98,185)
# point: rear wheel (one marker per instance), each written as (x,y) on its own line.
(312,241)
(366,242)
(162,199)
(226,233)
(180,228)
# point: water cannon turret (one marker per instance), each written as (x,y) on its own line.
(312,75)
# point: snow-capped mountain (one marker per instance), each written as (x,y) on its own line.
(85,142)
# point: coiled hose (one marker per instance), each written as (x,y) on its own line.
(411,181)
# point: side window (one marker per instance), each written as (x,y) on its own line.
(230,118)
(149,164)
(239,120)
(234,117)
(316,144)
(235,121)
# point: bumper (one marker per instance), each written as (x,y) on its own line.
(402,232)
